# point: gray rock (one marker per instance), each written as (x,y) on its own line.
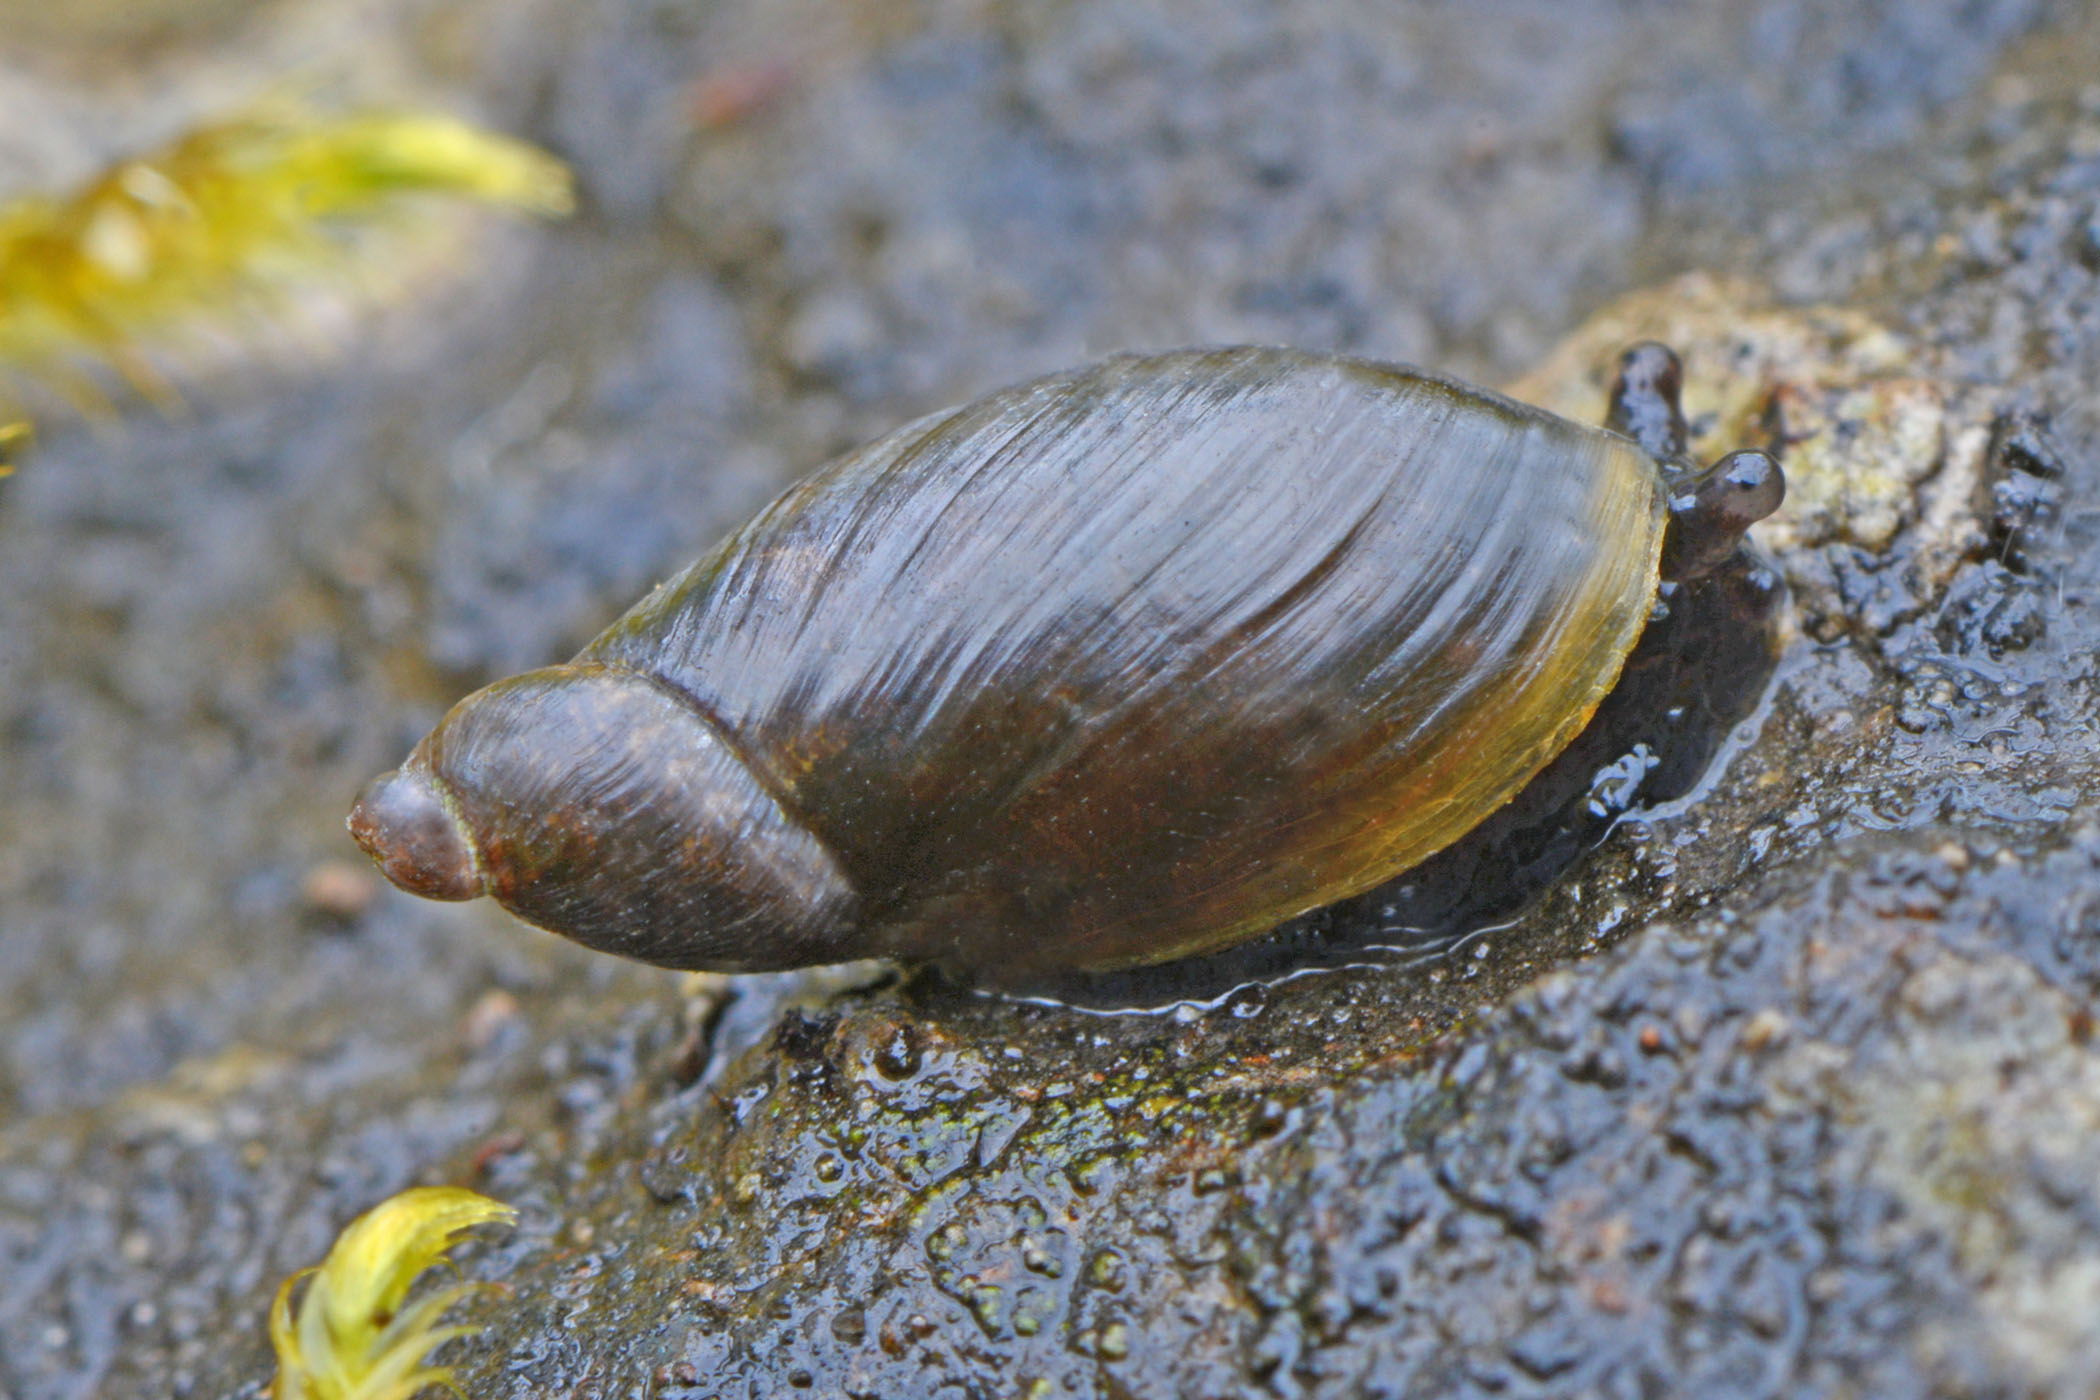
(1788,1089)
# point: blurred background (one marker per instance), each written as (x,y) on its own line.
(272,522)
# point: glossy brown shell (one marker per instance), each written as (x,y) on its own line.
(1138,660)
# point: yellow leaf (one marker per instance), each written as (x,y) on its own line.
(226,217)
(348,1337)
(14,439)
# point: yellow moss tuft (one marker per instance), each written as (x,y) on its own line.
(225,217)
(14,438)
(348,1337)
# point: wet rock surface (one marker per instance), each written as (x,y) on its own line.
(1789,1088)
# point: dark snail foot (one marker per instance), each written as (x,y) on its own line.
(1697,672)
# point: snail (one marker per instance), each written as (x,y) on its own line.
(1116,666)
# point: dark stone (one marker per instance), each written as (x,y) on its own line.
(1784,1088)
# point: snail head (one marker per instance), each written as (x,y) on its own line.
(1710,509)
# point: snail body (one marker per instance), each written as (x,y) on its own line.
(1116,666)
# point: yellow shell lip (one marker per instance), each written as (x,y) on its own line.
(406,826)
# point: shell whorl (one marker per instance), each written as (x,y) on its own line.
(607,806)
(1160,652)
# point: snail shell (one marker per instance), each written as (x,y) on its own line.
(1119,665)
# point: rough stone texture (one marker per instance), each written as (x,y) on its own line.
(1790,1089)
